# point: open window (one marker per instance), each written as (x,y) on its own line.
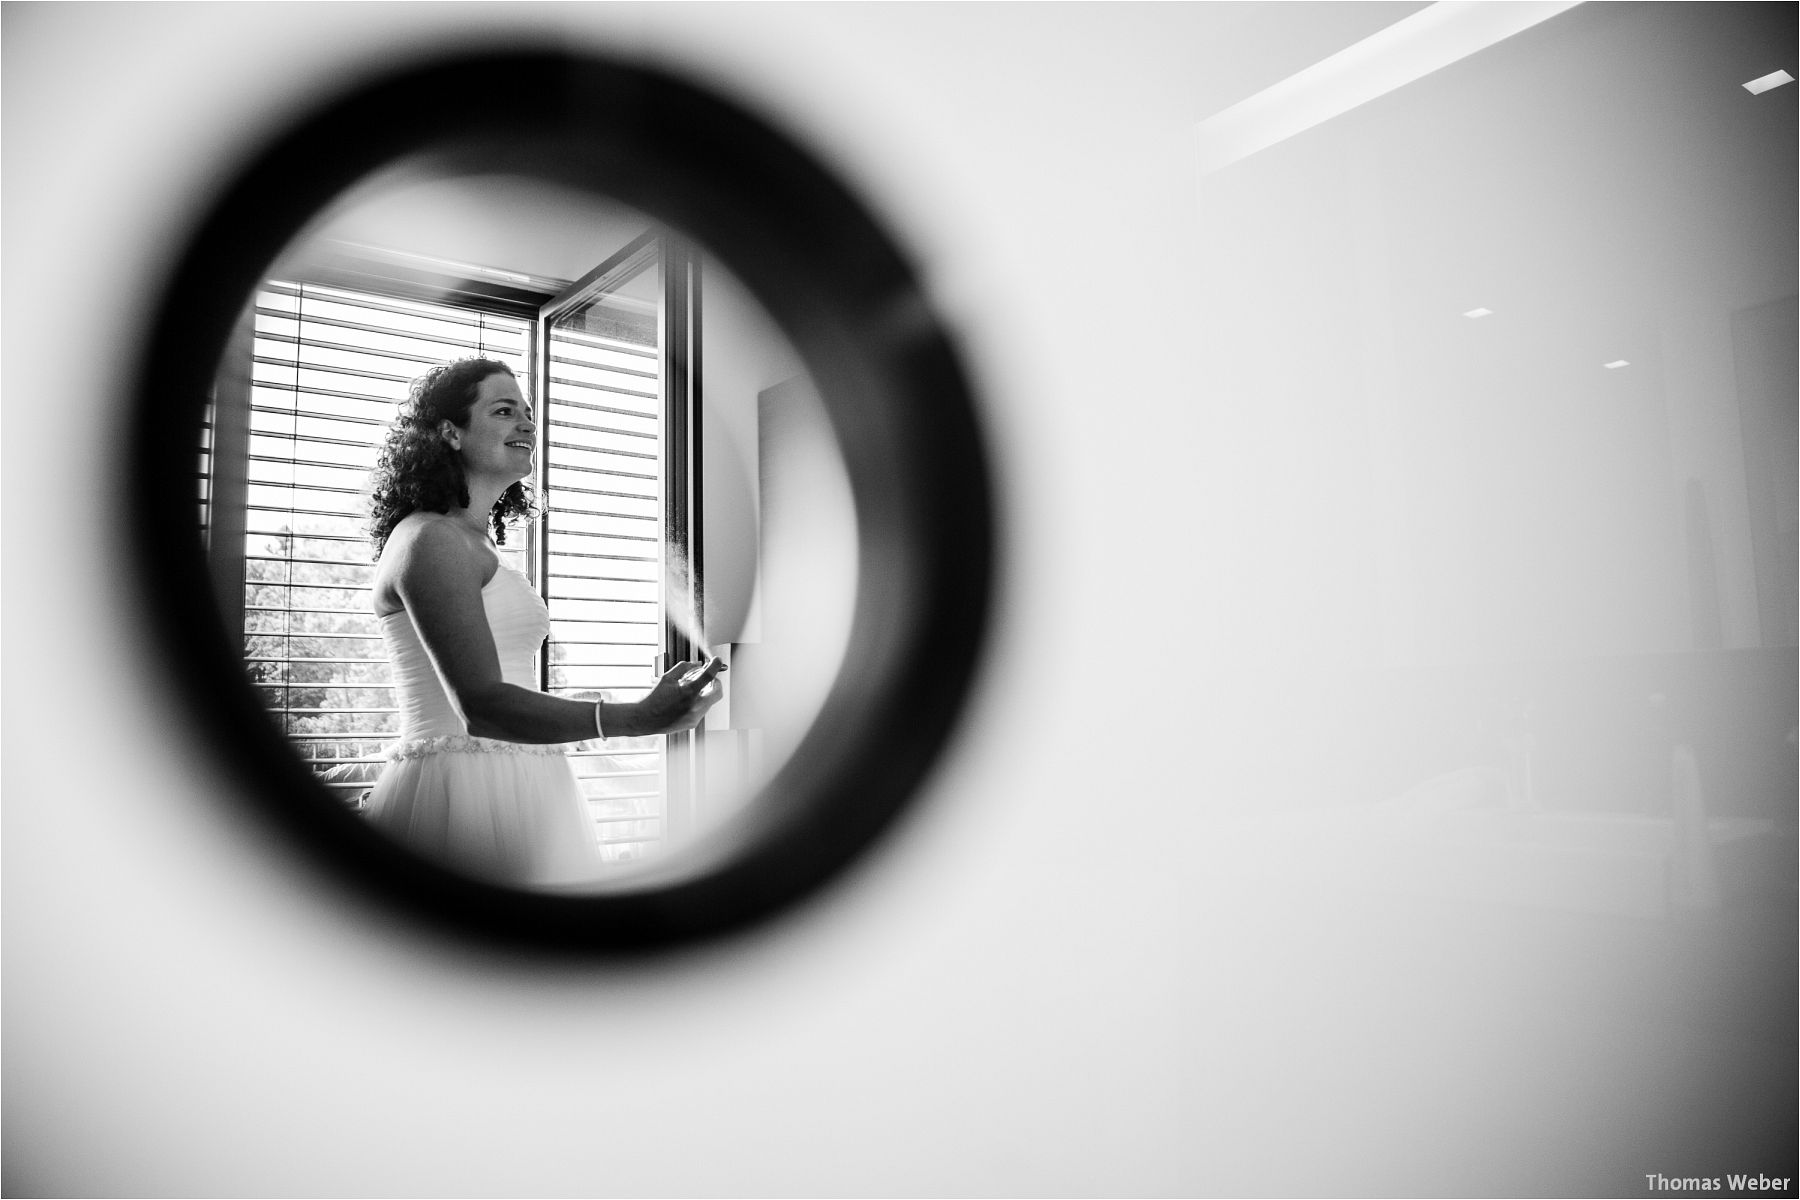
(615,556)
(325,354)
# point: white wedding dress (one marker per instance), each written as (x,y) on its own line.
(503,812)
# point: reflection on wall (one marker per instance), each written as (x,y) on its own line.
(1502,326)
(1519,339)
(1763,344)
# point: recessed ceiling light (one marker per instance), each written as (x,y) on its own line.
(1475,314)
(1763,83)
(1616,363)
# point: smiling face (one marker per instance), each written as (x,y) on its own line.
(501,436)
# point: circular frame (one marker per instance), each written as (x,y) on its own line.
(897,397)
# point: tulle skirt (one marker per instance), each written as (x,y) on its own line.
(499,811)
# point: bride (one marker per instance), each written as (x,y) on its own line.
(478,781)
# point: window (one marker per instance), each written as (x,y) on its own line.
(326,368)
(602,551)
(294,427)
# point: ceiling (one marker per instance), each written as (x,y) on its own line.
(496,221)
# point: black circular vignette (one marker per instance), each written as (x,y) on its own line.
(898,399)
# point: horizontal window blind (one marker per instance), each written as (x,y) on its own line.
(603,556)
(204,493)
(329,367)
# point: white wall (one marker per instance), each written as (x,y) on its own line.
(743,353)
(1040,983)
(780,538)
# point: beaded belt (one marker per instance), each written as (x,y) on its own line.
(463,744)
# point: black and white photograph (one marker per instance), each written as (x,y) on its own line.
(960,598)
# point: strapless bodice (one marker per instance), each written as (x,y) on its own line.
(519,623)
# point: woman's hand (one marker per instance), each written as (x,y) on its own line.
(678,701)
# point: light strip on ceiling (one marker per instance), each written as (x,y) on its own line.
(1763,83)
(1407,50)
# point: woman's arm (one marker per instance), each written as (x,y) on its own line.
(439,578)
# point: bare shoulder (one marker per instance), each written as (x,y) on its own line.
(429,550)
(432,534)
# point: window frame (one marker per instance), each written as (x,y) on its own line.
(681,470)
(395,275)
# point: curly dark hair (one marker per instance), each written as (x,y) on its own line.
(417,471)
